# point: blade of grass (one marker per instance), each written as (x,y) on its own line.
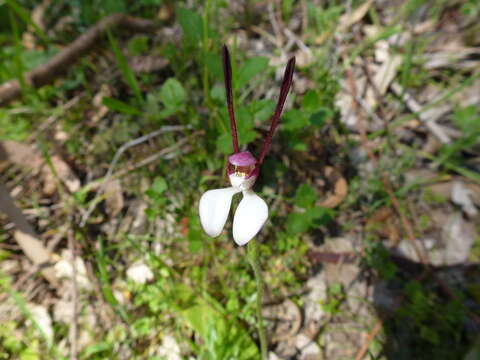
(24,14)
(126,70)
(370,42)
(120,106)
(472,175)
(6,286)
(447,95)
(407,63)
(105,281)
(19,68)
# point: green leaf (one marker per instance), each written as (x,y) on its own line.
(305,196)
(165,113)
(319,215)
(172,94)
(31,352)
(320,117)
(249,69)
(96,348)
(138,45)
(223,338)
(263,109)
(224,143)
(312,217)
(467,118)
(191,24)
(120,106)
(214,65)
(246,137)
(429,334)
(299,145)
(159,185)
(217,93)
(200,318)
(296,140)
(244,118)
(155,193)
(245,126)
(151,213)
(297,223)
(310,101)
(13,127)
(295,119)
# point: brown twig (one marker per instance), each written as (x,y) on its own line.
(59,63)
(428,118)
(274,22)
(26,236)
(405,222)
(125,147)
(363,350)
(378,95)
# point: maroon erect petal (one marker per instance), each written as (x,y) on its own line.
(227,71)
(286,84)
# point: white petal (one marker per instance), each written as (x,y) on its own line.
(214,208)
(251,214)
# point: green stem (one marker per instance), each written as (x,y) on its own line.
(253,259)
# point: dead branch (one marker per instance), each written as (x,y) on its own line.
(371,336)
(26,237)
(428,118)
(59,63)
(119,153)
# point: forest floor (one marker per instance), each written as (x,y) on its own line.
(112,127)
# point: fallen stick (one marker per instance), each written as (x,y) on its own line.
(371,336)
(59,63)
(26,237)
(119,153)
(429,119)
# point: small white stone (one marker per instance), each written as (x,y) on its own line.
(139,273)
(306,346)
(272,356)
(63,311)
(462,195)
(64,269)
(169,348)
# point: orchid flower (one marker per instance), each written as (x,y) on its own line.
(242,170)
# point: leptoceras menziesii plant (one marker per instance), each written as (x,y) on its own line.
(243,169)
